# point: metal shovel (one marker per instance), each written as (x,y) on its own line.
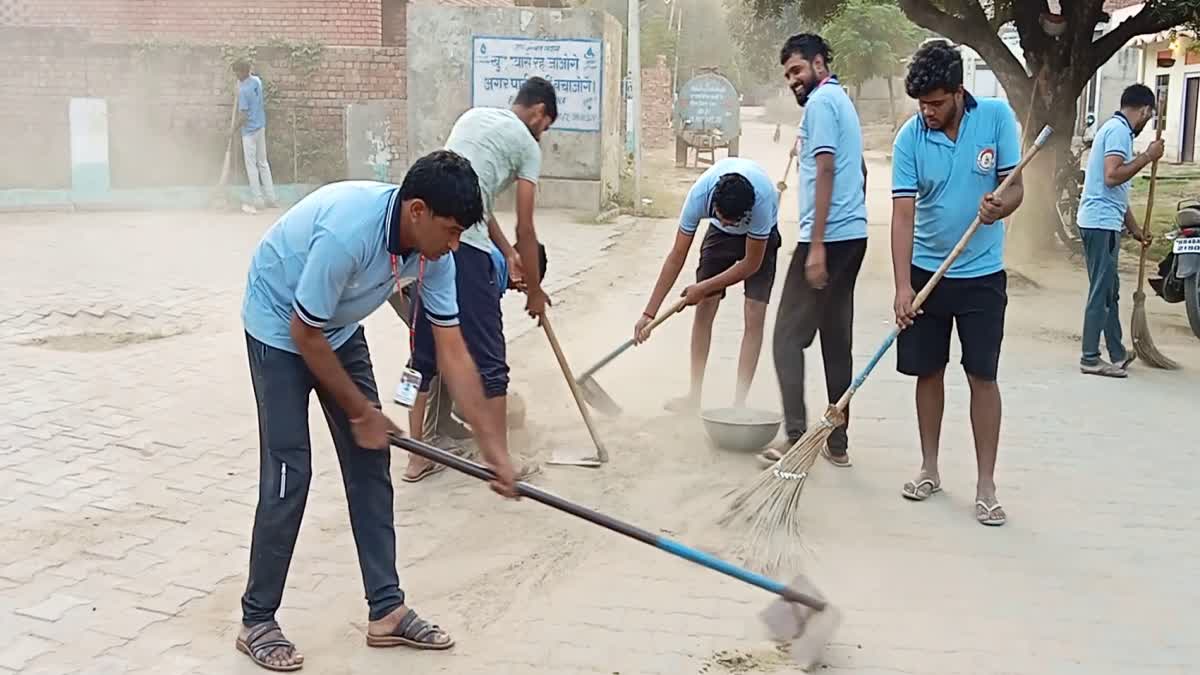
(576,459)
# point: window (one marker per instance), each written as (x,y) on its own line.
(1161,85)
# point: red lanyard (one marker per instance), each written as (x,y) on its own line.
(416,299)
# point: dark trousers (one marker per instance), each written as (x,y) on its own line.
(803,312)
(282,384)
(1101,314)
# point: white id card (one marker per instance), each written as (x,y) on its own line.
(406,391)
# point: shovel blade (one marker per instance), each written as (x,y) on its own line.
(807,629)
(810,645)
(596,397)
(575,458)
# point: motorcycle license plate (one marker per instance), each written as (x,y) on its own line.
(1187,245)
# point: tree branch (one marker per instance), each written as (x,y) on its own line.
(1151,19)
(973,30)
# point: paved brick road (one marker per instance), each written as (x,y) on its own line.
(129,479)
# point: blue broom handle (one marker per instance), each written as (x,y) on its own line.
(662,543)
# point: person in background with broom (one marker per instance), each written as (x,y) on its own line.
(252,124)
(946,162)
(818,294)
(1103,214)
(740,203)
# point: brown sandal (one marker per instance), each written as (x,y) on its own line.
(262,641)
(414,632)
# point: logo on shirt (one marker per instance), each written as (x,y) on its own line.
(986,160)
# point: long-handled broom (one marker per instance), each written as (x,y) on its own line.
(1139,328)
(769,504)
(799,615)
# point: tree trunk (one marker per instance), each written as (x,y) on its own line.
(1032,227)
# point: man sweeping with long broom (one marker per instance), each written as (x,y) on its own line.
(947,162)
(1104,213)
(765,511)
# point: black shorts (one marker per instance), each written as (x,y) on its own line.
(720,251)
(479,318)
(976,306)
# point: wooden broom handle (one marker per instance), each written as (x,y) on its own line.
(1158,123)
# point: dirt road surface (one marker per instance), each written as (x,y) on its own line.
(128,460)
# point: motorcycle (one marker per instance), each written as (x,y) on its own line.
(1179,272)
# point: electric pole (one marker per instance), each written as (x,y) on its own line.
(635,95)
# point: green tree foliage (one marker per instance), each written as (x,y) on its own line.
(758,38)
(870,39)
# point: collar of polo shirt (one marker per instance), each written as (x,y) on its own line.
(392,223)
(1121,116)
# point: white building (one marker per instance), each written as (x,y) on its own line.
(1171,67)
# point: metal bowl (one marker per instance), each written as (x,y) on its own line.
(741,429)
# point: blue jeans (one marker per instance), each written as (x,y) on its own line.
(282,385)
(1101,314)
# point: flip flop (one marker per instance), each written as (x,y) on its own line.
(429,470)
(769,456)
(912,489)
(841,461)
(987,514)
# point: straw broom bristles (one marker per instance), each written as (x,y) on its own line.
(769,505)
(1143,343)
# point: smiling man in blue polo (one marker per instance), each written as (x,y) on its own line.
(740,204)
(818,292)
(947,162)
(324,266)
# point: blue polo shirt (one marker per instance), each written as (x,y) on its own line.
(831,126)
(949,178)
(756,224)
(1102,207)
(252,101)
(328,259)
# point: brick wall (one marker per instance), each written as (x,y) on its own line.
(656,104)
(169,110)
(333,22)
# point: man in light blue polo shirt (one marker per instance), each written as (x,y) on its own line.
(1103,214)
(323,267)
(741,205)
(252,123)
(818,293)
(947,162)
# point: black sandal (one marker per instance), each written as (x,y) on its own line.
(262,641)
(414,632)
